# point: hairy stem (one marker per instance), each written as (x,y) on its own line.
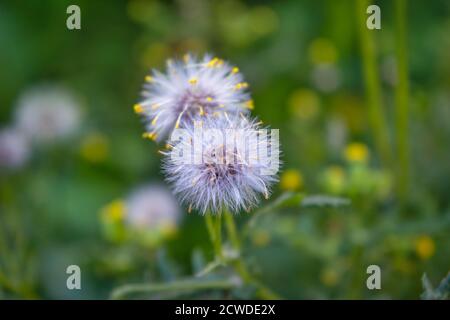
(214,227)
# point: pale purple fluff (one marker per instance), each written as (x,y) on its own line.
(152,207)
(191,87)
(14,149)
(224,178)
(47,113)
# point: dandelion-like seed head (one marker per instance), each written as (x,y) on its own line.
(152,207)
(191,87)
(14,149)
(223,168)
(48,113)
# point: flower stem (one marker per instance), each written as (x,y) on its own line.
(182,285)
(372,83)
(239,264)
(401,98)
(214,227)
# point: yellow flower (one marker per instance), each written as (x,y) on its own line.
(291,179)
(304,103)
(94,148)
(114,211)
(261,238)
(329,277)
(322,51)
(356,152)
(168,229)
(335,179)
(425,247)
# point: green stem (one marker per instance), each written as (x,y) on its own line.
(372,84)
(239,265)
(232,230)
(183,285)
(214,227)
(401,98)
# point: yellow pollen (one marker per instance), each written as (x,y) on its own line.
(241,85)
(149,135)
(212,62)
(154,120)
(209,99)
(202,112)
(235,70)
(193,81)
(249,104)
(177,124)
(148,78)
(138,108)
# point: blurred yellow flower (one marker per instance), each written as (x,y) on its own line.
(154,54)
(304,103)
(425,247)
(263,20)
(356,152)
(114,211)
(350,108)
(261,238)
(168,229)
(335,179)
(291,180)
(322,51)
(329,277)
(95,147)
(403,265)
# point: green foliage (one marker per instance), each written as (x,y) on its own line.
(361,184)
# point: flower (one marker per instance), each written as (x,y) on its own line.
(152,207)
(425,247)
(291,179)
(192,87)
(47,113)
(114,211)
(14,149)
(334,179)
(304,104)
(225,164)
(356,152)
(95,147)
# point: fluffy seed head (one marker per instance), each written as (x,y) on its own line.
(47,113)
(191,87)
(14,149)
(222,163)
(152,207)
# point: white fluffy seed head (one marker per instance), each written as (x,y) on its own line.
(191,87)
(47,113)
(221,170)
(152,207)
(14,149)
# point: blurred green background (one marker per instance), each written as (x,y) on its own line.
(360,118)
